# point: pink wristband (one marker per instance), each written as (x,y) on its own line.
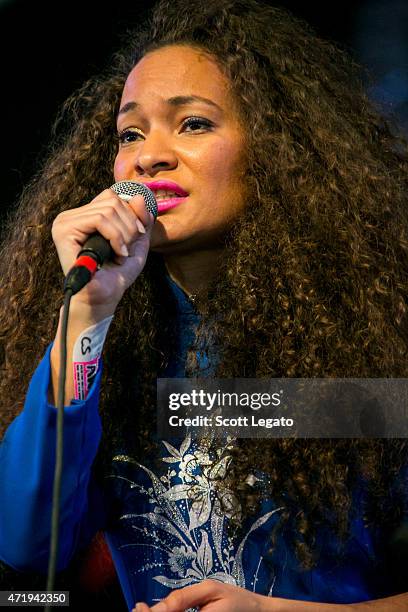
(86,356)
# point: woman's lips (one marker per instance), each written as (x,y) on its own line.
(168,203)
(176,194)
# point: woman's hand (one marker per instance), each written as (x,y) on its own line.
(210,596)
(126,225)
(214,596)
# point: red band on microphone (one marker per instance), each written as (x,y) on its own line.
(87,262)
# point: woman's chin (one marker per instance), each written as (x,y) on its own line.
(169,236)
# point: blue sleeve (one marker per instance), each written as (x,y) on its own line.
(27,461)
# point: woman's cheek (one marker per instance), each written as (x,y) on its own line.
(120,169)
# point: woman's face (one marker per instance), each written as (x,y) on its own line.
(167,134)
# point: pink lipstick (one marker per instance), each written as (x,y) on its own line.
(177,195)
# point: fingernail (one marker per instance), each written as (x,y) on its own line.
(140,226)
(124,250)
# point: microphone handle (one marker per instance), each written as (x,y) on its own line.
(98,248)
(92,256)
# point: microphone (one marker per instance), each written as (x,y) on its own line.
(97,249)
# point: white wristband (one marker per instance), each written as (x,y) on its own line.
(86,355)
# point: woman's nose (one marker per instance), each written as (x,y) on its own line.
(155,153)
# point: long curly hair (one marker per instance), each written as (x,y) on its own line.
(314,278)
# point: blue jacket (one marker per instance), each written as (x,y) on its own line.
(158,537)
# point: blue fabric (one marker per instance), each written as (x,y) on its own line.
(27,459)
(160,538)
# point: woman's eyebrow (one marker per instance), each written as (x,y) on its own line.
(174,101)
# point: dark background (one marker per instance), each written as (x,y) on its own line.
(49,49)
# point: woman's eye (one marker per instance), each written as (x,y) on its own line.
(197,123)
(127,136)
(191,124)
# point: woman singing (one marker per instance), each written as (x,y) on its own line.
(280,250)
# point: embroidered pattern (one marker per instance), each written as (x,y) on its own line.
(181,534)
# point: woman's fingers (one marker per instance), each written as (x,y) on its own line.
(119,222)
(125,225)
(136,206)
(215,596)
(189,597)
(110,225)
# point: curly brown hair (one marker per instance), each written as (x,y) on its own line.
(314,278)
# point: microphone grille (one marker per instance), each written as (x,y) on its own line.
(128,189)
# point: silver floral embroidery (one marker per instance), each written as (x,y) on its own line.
(185,517)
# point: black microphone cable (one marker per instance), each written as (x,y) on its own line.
(93,254)
(59,450)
